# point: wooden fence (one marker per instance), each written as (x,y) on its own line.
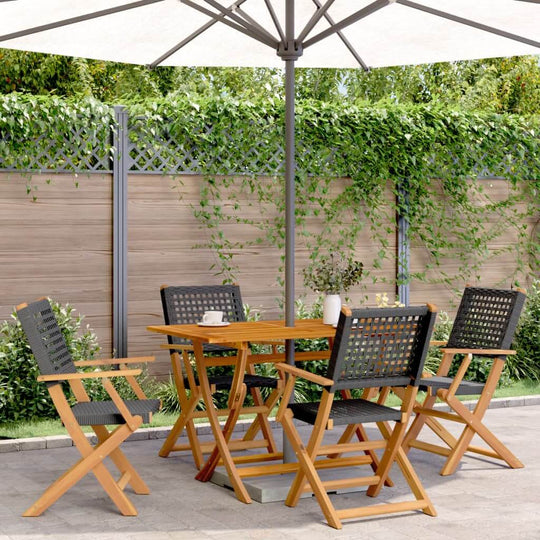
(61,246)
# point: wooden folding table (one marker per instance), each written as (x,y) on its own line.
(238,335)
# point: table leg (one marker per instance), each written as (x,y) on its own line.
(236,398)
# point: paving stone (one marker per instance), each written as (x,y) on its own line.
(483,500)
(159,432)
(33,443)
(9,445)
(58,441)
(139,435)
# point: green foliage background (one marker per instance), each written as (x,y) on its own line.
(433,152)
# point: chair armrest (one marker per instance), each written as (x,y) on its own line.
(481,352)
(297,372)
(132,421)
(114,361)
(437,343)
(89,375)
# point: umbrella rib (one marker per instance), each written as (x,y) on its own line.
(351,19)
(79,18)
(316,17)
(468,22)
(346,42)
(275,20)
(188,39)
(239,28)
(255,24)
(243,21)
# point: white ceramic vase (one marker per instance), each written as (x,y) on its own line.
(331,308)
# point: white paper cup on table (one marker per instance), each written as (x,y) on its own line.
(212,317)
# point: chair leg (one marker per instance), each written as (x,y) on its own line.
(418,422)
(123,464)
(395,452)
(414,483)
(392,446)
(307,469)
(261,421)
(182,420)
(92,460)
(314,443)
(475,426)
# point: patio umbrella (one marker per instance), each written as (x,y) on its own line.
(310,33)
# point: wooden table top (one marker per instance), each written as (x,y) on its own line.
(248,331)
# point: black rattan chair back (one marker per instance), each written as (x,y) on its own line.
(380,347)
(45,338)
(187,304)
(486,319)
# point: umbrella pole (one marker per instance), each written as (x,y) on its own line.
(290,166)
(289,197)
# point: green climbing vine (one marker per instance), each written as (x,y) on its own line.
(435,154)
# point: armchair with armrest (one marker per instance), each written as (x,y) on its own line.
(484,326)
(373,348)
(56,366)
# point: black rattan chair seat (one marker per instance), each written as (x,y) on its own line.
(224,382)
(348,411)
(93,413)
(466,388)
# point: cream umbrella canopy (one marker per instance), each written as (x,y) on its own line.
(307,33)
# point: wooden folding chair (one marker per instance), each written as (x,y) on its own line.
(56,366)
(373,348)
(186,305)
(484,326)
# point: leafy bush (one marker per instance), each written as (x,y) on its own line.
(441,332)
(526,363)
(167,393)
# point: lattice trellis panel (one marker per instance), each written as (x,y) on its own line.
(81,150)
(84,150)
(165,153)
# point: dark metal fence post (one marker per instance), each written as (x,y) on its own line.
(403,245)
(120,159)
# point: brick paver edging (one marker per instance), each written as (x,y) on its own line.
(57,441)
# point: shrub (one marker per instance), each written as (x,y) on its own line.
(167,393)
(441,332)
(526,363)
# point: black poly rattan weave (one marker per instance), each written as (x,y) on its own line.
(466,388)
(45,338)
(486,319)
(380,347)
(186,304)
(348,411)
(94,413)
